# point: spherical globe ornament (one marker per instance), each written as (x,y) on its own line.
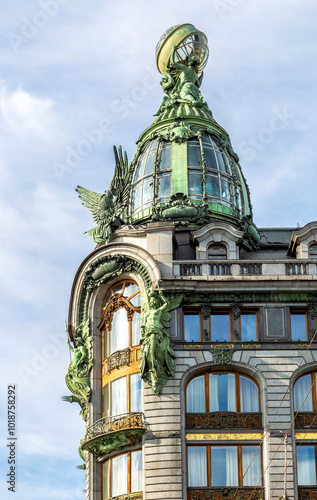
(189,42)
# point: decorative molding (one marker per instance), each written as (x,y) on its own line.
(306,419)
(222,356)
(224,420)
(234,493)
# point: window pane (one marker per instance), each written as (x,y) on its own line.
(197,466)
(135,393)
(166,159)
(217,252)
(136,328)
(220,327)
(224,466)
(136,300)
(193,152)
(306,467)
(106,480)
(248,327)
(298,325)
(192,327)
(221,162)
(194,184)
(249,395)
(136,199)
(210,158)
(195,395)
(149,164)
(164,186)
(251,465)
(119,396)
(119,334)
(147,191)
(212,186)
(222,392)
(312,252)
(136,471)
(119,479)
(129,289)
(301,388)
(225,191)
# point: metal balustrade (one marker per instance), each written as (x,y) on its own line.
(116,423)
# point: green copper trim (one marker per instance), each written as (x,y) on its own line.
(179,168)
(103,445)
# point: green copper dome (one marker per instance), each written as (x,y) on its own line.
(184,170)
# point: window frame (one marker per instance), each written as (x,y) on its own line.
(107,386)
(298,312)
(220,312)
(208,447)
(220,246)
(116,302)
(129,474)
(237,389)
(313,375)
(192,312)
(246,313)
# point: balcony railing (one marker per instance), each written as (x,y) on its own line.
(113,424)
(306,419)
(307,493)
(129,496)
(225,269)
(224,420)
(228,493)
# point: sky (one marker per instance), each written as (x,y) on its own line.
(78,77)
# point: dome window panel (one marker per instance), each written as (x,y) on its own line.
(193,153)
(226,192)
(195,184)
(210,158)
(164,186)
(149,165)
(136,199)
(212,187)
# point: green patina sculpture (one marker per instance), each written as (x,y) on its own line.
(157,356)
(107,208)
(114,441)
(77,377)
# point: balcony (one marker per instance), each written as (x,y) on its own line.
(223,420)
(129,496)
(112,433)
(228,493)
(230,269)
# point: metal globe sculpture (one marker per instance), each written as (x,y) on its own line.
(189,42)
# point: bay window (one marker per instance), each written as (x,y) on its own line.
(123,475)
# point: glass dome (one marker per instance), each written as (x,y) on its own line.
(199,168)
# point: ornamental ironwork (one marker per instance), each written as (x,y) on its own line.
(224,420)
(114,424)
(305,493)
(129,496)
(306,419)
(234,493)
(118,358)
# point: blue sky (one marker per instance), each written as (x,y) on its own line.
(76,78)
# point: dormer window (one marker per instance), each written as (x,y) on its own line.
(312,252)
(217,252)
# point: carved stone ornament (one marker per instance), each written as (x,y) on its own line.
(222,356)
(77,377)
(157,356)
(205,311)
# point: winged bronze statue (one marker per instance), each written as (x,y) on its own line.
(106,208)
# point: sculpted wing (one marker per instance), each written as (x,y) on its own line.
(121,181)
(173,304)
(92,201)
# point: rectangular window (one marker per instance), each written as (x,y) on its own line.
(119,396)
(123,475)
(220,327)
(299,326)
(119,476)
(135,393)
(224,466)
(306,465)
(248,327)
(192,327)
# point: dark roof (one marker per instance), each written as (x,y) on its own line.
(275,237)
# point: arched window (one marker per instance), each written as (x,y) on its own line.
(123,475)
(121,318)
(312,252)
(217,251)
(222,392)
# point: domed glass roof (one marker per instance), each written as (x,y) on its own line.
(200,168)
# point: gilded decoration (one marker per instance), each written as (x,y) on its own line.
(157,356)
(117,359)
(224,420)
(129,496)
(225,436)
(235,493)
(113,433)
(306,419)
(307,493)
